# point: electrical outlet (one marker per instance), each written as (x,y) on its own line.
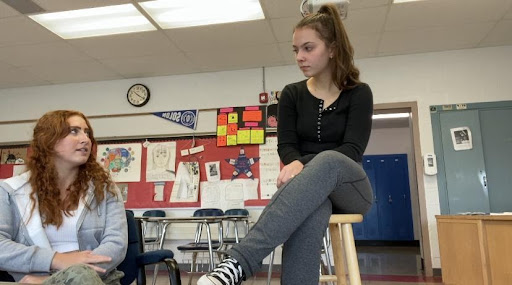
(462,106)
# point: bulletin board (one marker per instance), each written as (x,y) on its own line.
(140,194)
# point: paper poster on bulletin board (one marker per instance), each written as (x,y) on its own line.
(241,125)
(123,161)
(13,156)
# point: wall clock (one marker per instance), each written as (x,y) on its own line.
(138,95)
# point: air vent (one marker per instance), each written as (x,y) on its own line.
(25,7)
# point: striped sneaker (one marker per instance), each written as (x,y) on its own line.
(229,272)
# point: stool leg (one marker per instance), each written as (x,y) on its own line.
(337,251)
(350,249)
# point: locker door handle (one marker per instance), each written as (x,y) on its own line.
(375,199)
(390,200)
(484,178)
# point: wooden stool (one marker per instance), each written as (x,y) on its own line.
(340,228)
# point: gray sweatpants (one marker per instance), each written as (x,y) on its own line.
(298,216)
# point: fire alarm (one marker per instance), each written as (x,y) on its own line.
(263,97)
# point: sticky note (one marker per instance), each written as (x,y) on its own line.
(252,116)
(244,136)
(233,118)
(221,141)
(222,119)
(232,129)
(221,130)
(257,136)
(231,140)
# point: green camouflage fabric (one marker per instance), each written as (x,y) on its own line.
(84,275)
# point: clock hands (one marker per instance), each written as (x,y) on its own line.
(140,96)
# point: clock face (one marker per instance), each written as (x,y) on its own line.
(138,95)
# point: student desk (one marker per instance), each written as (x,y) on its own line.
(475,249)
(206,221)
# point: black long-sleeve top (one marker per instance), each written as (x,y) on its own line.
(305,127)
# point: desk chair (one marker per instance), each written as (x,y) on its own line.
(202,246)
(5,277)
(136,259)
(230,240)
(149,240)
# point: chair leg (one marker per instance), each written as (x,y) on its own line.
(174,271)
(141,277)
(337,250)
(269,277)
(327,257)
(192,267)
(350,249)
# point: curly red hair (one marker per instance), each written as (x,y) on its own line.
(51,128)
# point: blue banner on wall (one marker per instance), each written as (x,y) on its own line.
(187,118)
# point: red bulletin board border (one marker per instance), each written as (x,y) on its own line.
(140,194)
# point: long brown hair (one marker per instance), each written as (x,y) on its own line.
(49,129)
(327,23)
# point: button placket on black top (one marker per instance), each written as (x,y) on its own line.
(319,124)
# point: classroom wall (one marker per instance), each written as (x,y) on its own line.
(460,76)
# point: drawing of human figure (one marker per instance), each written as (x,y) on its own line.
(161,157)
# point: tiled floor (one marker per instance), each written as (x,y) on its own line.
(378,266)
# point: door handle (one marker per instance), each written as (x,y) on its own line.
(390,200)
(484,178)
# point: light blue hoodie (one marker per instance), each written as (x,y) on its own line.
(24,246)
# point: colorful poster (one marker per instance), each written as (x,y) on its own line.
(123,161)
(161,161)
(241,125)
(14,156)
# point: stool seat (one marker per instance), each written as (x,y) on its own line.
(340,229)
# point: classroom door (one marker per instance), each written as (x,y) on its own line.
(466,178)
(497,146)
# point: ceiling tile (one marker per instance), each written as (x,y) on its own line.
(241,34)
(433,13)
(509,14)
(280,9)
(433,39)
(84,71)
(501,34)
(15,77)
(125,45)
(283,28)
(146,66)
(7,11)
(236,58)
(66,5)
(27,55)
(359,4)
(365,45)
(22,30)
(366,21)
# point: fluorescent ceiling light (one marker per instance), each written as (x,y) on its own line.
(391,116)
(404,1)
(109,20)
(188,13)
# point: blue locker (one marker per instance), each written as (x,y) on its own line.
(390,217)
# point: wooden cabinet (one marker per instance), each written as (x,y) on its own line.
(475,249)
